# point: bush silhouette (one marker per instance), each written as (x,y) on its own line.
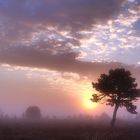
(33,112)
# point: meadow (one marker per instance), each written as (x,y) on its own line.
(54,129)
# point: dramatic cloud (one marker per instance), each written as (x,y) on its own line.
(74,14)
(20,20)
(63,62)
(57,34)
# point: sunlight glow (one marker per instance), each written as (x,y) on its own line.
(88,104)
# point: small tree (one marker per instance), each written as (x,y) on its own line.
(33,112)
(117,89)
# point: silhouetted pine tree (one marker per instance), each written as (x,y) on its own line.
(117,88)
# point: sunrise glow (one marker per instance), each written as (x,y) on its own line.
(88,104)
(87,95)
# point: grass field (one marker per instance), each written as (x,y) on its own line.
(66,130)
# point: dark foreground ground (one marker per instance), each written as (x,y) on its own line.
(61,130)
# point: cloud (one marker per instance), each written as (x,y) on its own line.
(45,33)
(117,40)
(21,22)
(62,62)
(55,23)
(63,13)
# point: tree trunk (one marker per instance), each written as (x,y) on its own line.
(114,116)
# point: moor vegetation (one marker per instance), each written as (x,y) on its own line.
(51,129)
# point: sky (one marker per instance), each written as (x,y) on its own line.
(51,51)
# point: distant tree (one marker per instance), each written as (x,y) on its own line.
(104,117)
(1,113)
(33,112)
(138,117)
(117,88)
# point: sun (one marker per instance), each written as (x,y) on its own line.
(87,92)
(88,104)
